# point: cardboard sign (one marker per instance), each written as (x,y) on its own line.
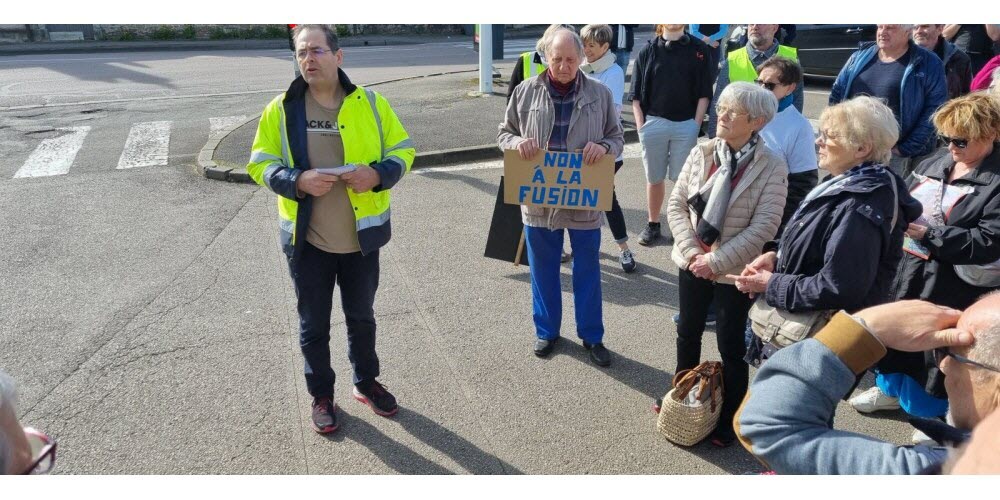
(558,180)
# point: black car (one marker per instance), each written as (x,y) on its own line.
(823,48)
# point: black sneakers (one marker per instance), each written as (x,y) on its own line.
(376,397)
(650,234)
(324,415)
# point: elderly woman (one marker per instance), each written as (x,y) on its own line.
(563,110)
(789,134)
(601,67)
(725,205)
(15,452)
(958,233)
(840,249)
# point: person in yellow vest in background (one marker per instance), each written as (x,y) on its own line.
(332,226)
(532,63)
(741,65)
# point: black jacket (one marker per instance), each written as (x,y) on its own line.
(957,68)
(971,236)
(629,36)
(838,251)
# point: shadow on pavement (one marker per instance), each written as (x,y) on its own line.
(403,460)
(653,382)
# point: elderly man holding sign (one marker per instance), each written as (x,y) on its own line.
(567,126)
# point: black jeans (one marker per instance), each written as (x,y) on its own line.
(616,219)
(732,307)
(799,186)
(314,275)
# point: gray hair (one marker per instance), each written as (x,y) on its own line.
(545,42)
(986,349)
(8,398)
(331,36)
(751,99)
(995,82)
(597,33)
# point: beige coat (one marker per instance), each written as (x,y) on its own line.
(531,113)
(752,219)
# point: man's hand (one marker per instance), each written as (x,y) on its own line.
(363,179)
(700,268)
(916,231)
(593,152)
(528,148)
(314,183)
(915,325)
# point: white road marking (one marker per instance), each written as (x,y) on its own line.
(221,124)
(147,145)
(54,156)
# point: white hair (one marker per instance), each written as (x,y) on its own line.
(549,38)
(995,83)
(751,99)
(541,45)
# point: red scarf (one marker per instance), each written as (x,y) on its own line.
(561,88)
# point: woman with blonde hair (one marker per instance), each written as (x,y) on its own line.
(841,247)
(952,251)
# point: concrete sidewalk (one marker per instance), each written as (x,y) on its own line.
(447,118)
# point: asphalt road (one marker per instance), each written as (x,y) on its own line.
(148,317)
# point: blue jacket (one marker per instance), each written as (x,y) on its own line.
(785,419)
(922,91)
(838,251)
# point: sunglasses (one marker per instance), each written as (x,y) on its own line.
(944,352)
(959,143)
(767,85)
(43,447)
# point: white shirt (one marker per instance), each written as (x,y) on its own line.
(791,136)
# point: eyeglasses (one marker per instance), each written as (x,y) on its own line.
(44,448)
(943,352)
(825,137)
(767,85)
(959,143)
(316,52)
(731,113)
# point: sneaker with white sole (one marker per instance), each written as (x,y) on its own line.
(873,400)
(627,260)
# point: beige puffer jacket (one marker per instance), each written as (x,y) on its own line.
(752,219)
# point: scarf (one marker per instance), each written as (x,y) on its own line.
(835,182)
(560,88)
(601,65)
(712,200)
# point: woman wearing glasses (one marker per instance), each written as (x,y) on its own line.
(841,247)
(952,251)
(725,205)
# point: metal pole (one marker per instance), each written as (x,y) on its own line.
(486,58)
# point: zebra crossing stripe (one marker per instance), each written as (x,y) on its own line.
(220,125)
(148,145)
(54,156)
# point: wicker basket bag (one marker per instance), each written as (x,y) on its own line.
(685,424)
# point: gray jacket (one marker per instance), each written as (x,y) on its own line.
(784,418)
(531,113)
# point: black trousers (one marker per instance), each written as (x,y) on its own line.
(732,307)
(314,274)
(616,219)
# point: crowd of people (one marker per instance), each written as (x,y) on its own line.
(908,208)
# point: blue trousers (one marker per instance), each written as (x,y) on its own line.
(544,251)
(912,397)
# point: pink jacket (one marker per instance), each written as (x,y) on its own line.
(985,75)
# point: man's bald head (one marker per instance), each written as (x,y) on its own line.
(982,319)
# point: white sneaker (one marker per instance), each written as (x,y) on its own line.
(919,438)
(873,400)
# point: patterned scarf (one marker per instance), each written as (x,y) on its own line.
(712,200)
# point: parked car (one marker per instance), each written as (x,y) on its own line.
(823,48)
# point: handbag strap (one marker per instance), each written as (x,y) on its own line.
(709,373)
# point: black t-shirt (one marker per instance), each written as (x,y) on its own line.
(882,80)
(670,77)
(973,39)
